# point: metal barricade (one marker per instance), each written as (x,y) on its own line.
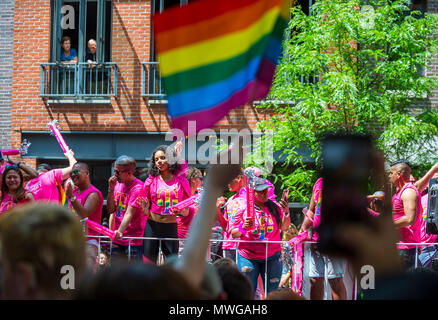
(104,241)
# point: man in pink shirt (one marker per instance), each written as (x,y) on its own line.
(86,201)
(126,216)
(406,211)
(322,265)
(47,187)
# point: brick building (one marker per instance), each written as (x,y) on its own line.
(6,49)
(115,108)
(122,112)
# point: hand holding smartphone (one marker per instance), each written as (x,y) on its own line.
(348,162)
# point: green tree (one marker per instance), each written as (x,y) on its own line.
(353,65)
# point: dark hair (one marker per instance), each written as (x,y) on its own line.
(236,285)
(65,38)
(21,192)
(273,209)
(122,281)
(173,168)
(399,162)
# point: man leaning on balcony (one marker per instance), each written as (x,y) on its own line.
(67,72)
(94,76)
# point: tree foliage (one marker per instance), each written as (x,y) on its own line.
(356,66)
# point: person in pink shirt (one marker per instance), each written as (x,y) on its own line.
(126,216)
(164,187)
(195,178)
(12,189)
(232,207)
(322,265)
(47,187)
(256,258)
(406,211)
(86,201)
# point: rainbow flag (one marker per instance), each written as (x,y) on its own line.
(62,196)
(215,56)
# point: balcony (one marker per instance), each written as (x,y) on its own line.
(151,83)
(78,82)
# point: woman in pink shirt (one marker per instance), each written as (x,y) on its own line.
(235,205)
(195,178)
(255,259)
(12,188)
(164,187)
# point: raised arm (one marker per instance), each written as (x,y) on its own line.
(422,183)
(71,162)
(30,172)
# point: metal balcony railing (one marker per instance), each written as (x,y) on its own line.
(76,80)
(151,81)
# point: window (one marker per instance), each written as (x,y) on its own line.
(93,74)
(92,20)
(160,6)
(151,83)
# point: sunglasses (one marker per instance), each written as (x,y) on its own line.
(74,173)
(11,166)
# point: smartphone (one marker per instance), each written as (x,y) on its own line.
(347,168)
(285,195)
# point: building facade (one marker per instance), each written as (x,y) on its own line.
(112,108)
(104,110)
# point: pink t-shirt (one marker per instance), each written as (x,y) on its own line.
(46,187)
(96,216)
(8,203)
(266,228)
(236,205)
(430,238)
(317,197)
(412,233)
(183,223)
(124,197)
(162,194)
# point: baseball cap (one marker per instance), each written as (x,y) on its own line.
(260,184)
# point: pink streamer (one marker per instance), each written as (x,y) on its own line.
(10,152)
(297,275)
(250,202)
(183,204)
(58,136)
(101,229)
